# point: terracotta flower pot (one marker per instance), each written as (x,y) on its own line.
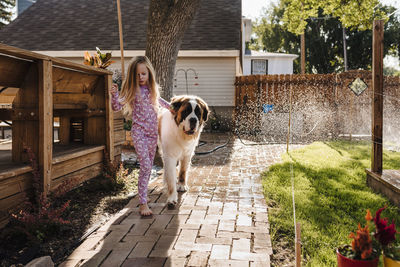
(346,262)
(388,262)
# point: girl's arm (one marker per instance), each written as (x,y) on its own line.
(164,103)
(115,103)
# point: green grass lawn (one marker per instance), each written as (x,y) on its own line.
(331,196)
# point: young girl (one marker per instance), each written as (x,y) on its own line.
(139,99)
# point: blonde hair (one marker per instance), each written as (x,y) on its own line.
(130,86)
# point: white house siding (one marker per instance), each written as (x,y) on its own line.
(276,65)
(280,66)
(216,78)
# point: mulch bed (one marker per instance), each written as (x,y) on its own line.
(92,204)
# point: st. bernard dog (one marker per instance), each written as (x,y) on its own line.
(179,133)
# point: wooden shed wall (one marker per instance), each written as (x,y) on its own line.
(52,88)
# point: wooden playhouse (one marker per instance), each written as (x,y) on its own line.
(41,92)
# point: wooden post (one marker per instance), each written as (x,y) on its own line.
(344,48)
(65,130)
(303,53)
(45,122)
(25,124)
(121,39)
(290,115)
(351,117)
(94,129)
(109,119)
(298,245)
(377,101)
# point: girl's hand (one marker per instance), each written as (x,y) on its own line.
(114,89)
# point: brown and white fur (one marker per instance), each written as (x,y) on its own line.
(179,134)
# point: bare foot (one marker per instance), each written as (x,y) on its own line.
(145,210)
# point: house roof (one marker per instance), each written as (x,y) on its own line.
(82,25)
(262,55)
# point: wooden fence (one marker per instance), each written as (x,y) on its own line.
(321,105)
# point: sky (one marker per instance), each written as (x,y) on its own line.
(253,9)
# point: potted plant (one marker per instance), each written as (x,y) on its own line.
(364,250)
(99,60)
(385,234)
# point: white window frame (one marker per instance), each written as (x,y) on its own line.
(259,72)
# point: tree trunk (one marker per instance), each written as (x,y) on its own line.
(167,22)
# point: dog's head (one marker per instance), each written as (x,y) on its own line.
(190,113)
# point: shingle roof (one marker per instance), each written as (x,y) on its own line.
(82,25)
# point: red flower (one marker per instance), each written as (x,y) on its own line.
(384,234)
(362,243)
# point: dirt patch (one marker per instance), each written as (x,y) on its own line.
(283,254)
(92,204)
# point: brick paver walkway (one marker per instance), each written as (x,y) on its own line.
(221,221)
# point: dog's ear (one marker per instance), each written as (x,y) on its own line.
(176,103)
(205,114)
(206,110)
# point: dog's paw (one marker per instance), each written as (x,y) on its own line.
(171,205)
(181,187)
(172,200)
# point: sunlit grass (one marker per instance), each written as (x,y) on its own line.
(331,196)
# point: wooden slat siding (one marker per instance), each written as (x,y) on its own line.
(95,127)
(9,190)
(73,99)
(10,204)
(377,102)
(61,107)
(64,130)
(119,136)
(63,168)
(78,113)
(75,153)
(79,176)
(94,130)
(26,132)
(45,122)
(109,118)
(70,81)
(118,124)
(12,71)
(15,184)
(118,150)
(12,201)
(17,171)
(118,115)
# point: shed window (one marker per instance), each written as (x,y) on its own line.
(259,66)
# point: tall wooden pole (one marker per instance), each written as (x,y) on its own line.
(121,39)
(344,49)
(303,53)
(377,97)
(45,74)
(290,116)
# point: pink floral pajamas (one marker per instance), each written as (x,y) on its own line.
(144,134)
